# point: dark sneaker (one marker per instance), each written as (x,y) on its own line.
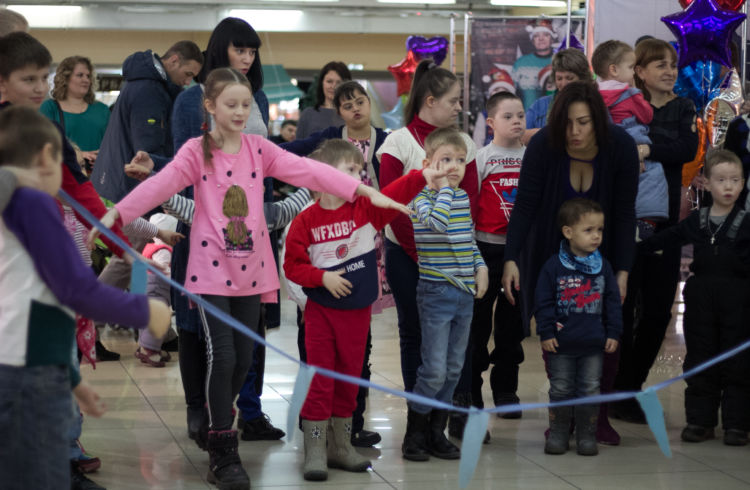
(260,429)
(697,433)
(365,438)
(102,354)
(79,481)
(735,437)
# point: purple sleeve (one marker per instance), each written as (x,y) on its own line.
(35,220)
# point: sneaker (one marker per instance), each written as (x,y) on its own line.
(79,481)
(697,433)
(365,438)
(260,429)
(735,437)
(102,354)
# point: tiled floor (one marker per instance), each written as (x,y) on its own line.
(143,443)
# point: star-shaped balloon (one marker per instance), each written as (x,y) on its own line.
(703,32)
(403,72)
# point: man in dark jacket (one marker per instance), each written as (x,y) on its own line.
(140,119)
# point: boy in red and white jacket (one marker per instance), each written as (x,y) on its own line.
(330,252)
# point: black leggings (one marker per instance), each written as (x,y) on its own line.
(229,354)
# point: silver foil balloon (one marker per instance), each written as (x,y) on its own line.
(723,108)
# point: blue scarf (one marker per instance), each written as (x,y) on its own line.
(590,264)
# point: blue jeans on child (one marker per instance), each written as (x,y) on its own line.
(35,412)
(574,376)
(445,314)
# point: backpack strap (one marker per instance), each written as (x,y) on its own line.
(736,223)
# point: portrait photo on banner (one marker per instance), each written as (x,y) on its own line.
(513,55)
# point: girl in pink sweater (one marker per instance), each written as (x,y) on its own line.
(231,265)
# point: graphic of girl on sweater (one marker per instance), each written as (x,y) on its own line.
(237,238)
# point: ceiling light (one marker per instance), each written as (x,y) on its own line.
(422,2)
(31,10)
(529,3)
(270,20)
(46,16)
(303,1)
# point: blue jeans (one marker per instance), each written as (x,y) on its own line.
(445,314)
(35,413)
(574,376)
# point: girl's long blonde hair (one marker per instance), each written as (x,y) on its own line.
(216,82)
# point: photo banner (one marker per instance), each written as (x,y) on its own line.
(513,54)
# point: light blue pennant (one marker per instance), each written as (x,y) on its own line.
(476,427)
(655,417)
(301,386)
(138,278)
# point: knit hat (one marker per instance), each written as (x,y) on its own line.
(164,221)
(544,74)
(498,80)
(541,25)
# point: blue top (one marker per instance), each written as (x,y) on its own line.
(536,115)
(581,310)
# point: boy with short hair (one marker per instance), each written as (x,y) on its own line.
(499,167)
(451,273)
(42,278)
(330,252)
(716,302)
(614,63)
(578,318)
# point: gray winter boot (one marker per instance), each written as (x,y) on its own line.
(315,468)
(586,418)
(559,434)
(341,453)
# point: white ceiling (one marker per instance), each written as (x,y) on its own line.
(345,16)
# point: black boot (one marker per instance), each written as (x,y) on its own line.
(438,445)
(197,423)
(559,430)
(586,418)
(79,481)
(414,447)
(224,467)
(457,420)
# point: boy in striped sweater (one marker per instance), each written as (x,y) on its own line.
(451,273)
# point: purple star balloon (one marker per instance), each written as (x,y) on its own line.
(703,32)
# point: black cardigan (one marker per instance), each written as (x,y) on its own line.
(533,235)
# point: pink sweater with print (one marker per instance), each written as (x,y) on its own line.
(227,258)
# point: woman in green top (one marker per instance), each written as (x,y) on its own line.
(73,106)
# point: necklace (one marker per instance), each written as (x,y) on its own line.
(416,137)
(713,233)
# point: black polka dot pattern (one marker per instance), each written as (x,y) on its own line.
(194,278)
(262,264)
(260,152)
(205,178)
(229,173)
(229,283)
(244,267)
(216,263)
(252,175)
(254,283)
(204,243)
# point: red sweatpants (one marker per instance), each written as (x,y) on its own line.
(335,340)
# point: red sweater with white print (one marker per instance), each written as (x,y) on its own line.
(321,240)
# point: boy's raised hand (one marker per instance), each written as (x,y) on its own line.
(550,345)
(159,317)
(435,177)
(380,200)
(610,346)
(337,285)
(88,400)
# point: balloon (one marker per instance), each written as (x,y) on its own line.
(722,109)
(434,48)
(725,4)
(403,72)
(574,43)
(703,32)
(691,169)
(699,82)
(395,118)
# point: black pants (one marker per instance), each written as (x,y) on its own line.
(647,311)
(716,319)
(229,355)
(403,276)
(358,417)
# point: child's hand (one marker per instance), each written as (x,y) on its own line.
(107,220)
(144,160)
(482,279)
(380,200)
(550,345)
(88,400)
(610,346)
(431,176)
(169,237)
(137,171)
(337,285)
(90,156)
(159,318)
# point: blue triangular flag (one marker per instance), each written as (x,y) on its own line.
(655,417)
(138,278)
(301,386)
(474,432)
